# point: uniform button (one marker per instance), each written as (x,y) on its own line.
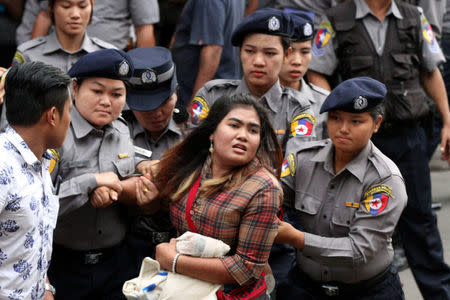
(156,145)
(331,186)
(348,222)
(99,232)
(302,206)
(324,216)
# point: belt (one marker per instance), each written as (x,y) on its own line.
(90,257)
(154,237)
(333,288)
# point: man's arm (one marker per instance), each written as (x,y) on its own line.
(319,80)
(145,36)
(209,62)
(435,88)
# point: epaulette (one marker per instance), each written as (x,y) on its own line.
(319,89)
(219,83)
(102,43)
(121,124)
(384,165)
(310,145)
(31,44)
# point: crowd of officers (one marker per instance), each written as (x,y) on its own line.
(101,238)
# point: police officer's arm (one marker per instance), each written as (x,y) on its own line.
(42,24)
(145,36)
(435,88)
(209,62)
(369,231)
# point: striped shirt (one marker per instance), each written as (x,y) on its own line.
(243,217)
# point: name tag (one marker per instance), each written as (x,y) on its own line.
(280,131)
(350,204)
(142,151)
(123,155)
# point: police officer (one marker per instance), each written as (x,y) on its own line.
(90,260)
(294,69)
(392,41)
(68,42)
(263,38)
(348,197)
(151,98)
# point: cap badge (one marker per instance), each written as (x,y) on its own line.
(274,24)
(148,76)
(360,103)
(124,68)
(307,30)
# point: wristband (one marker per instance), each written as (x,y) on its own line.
(174,263)
(50,288)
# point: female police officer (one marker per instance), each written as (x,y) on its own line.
(90,260)
(263,38)
(348,197)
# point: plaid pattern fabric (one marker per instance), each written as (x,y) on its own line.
(244,218)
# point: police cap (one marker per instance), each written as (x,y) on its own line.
(154,78)
(267,20)
(355,95)
(107,63)
(303,29)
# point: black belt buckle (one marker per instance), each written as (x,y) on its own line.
(160,237)
(330,290)
(92,258)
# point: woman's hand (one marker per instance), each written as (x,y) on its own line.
(146,191)
(148,167)
(165,253)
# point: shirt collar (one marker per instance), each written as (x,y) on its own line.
(80,125)
(357,166)
(21,146)
(137,129)
(307,92)
(53,44)
(362,10)
(271,97)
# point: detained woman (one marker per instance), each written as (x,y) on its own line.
(221,182)
(264,42)
(90,260)
(348,197)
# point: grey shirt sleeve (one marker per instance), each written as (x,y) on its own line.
(324,59)
(431,55)
(144,12)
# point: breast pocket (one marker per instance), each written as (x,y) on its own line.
(125,166)
(342,220)
(307,207)
(404,66)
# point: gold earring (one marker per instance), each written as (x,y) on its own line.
(211,147)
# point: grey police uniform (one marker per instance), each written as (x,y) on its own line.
(316,96)
(349,217)
(48,50)
(434,11)
(87,151)
(141,138)
(290,114)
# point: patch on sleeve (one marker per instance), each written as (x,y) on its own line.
(288,167)
(376,198)
(323,36)
(302,124)
(428,35)
(18,58)
(200,109)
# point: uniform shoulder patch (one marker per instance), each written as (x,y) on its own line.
(302,124)
(200,109)
(54,159)
(376,198)
(288,167)
(102,43)
(18,58)
(428,35)
(324,34)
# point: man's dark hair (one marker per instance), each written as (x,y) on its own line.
(32,88)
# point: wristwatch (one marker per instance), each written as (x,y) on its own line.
(50,288)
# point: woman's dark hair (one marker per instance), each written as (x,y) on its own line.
(286,42)
(32,88)
(51,6)
(376,111)
(187,158)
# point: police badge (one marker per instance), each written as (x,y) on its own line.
(360,103)
(148,76)
(124,68)
(274,24)
(307,30)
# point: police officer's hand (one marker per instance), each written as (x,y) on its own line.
(287,234)
(103,196)
(146,190)
(165,253)
(445,143)
(148,167)
(110,180)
